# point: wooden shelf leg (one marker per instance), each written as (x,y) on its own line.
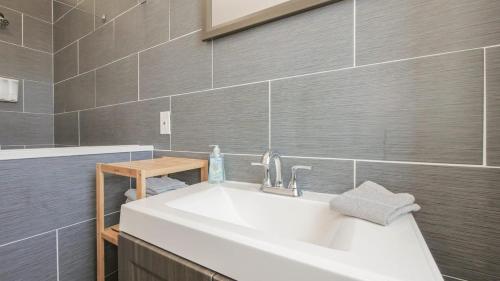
(140,185)
(100,222)
(204,173)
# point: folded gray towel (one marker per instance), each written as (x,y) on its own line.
(155,186)
(374,203)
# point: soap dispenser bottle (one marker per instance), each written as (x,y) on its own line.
(216,173)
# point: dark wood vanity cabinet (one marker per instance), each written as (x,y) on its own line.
(141,261)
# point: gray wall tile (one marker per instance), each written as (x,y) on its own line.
(144,26)
(14,106)
(75,94)
(143,155)
(69,2)
(37,34)
(59,9)
(117,82)
(39,8)
(194,55)
(186,16)
(31,259)
(13,32)
(320,39)
(428,109)
(97,48)
(38,97)
(25,63)
(66,63)
(26,128)
(459,216)
(74,25)
(66,128)
(60,194)
(392,29)
(493,103)
(77,252)
(132,123)
(235,118)
(111,9)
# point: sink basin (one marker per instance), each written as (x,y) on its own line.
(238,231)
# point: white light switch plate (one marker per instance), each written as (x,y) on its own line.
(165,123)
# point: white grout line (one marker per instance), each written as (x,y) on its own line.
(77,57)
(109,274)
(57,253)
(169,21)
(212,63)
(485,119)
(24,100)
(78,116)
(269,117)
(354,163)
(26,238)
(19,12)
(138,77)
(452,277)
(28,48)
(171,130)
(22,30)
(36,113)
(95,88)
(354,35)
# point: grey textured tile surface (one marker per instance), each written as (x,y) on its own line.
(13,33)
(37,34)
(235,118)
(66,128)
(39,8)
(38,97)
(111,8)
(393,29)
(31,259)
(74,25)
(493,103)
(194,55)
(131,123)
(57,192)
(75,94)
(69,2)
(186,16)
(66,63)
(144,26)
(238,168)
(14,106)
(428,109)
(25,63)
(142,155)
(26,128)
(117,82)
(60,9)
(317,40)
(459,216)
(97,48)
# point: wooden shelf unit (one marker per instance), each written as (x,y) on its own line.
(140,170)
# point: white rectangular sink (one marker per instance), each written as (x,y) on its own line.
(238,231)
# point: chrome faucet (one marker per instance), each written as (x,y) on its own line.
(293,188)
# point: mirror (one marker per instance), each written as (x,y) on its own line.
(223,17)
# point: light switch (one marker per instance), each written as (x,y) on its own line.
(165,123)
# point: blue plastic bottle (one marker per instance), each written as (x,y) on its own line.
(216,173)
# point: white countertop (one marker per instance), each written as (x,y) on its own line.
(12,154)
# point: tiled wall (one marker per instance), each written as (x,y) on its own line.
(406,93)
(26,55)
(47,216)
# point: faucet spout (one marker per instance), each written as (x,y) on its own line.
(266,161)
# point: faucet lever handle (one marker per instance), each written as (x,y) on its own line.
(293,180)
(300,167)
(258,164)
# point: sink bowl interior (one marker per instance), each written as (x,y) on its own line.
(282,217)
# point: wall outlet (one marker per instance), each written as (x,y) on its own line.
(165,123)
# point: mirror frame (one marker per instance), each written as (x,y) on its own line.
(277,12)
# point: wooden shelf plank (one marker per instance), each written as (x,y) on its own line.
(110,235)
(155,167)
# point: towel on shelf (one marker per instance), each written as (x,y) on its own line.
(372,202)
(155,186)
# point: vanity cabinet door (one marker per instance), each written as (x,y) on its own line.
(140,261)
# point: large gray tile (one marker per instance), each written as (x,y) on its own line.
(13,33)
(144,26)
(57,192)
(71,3)
(186,16)
(75,94)
(132,123)
(428,109)
(26,128)
(74,25)
(493,103)
(31,259)
(24,63)
(97,48)
(392,29)
(66,63)
(66,129)
(14,106)
(161,75)
(142,155)
(39,8)
(117,82)
(459,216)
(235,118)
(37,34)
(317,40)
(60,9)
(38,97)
(111,9)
